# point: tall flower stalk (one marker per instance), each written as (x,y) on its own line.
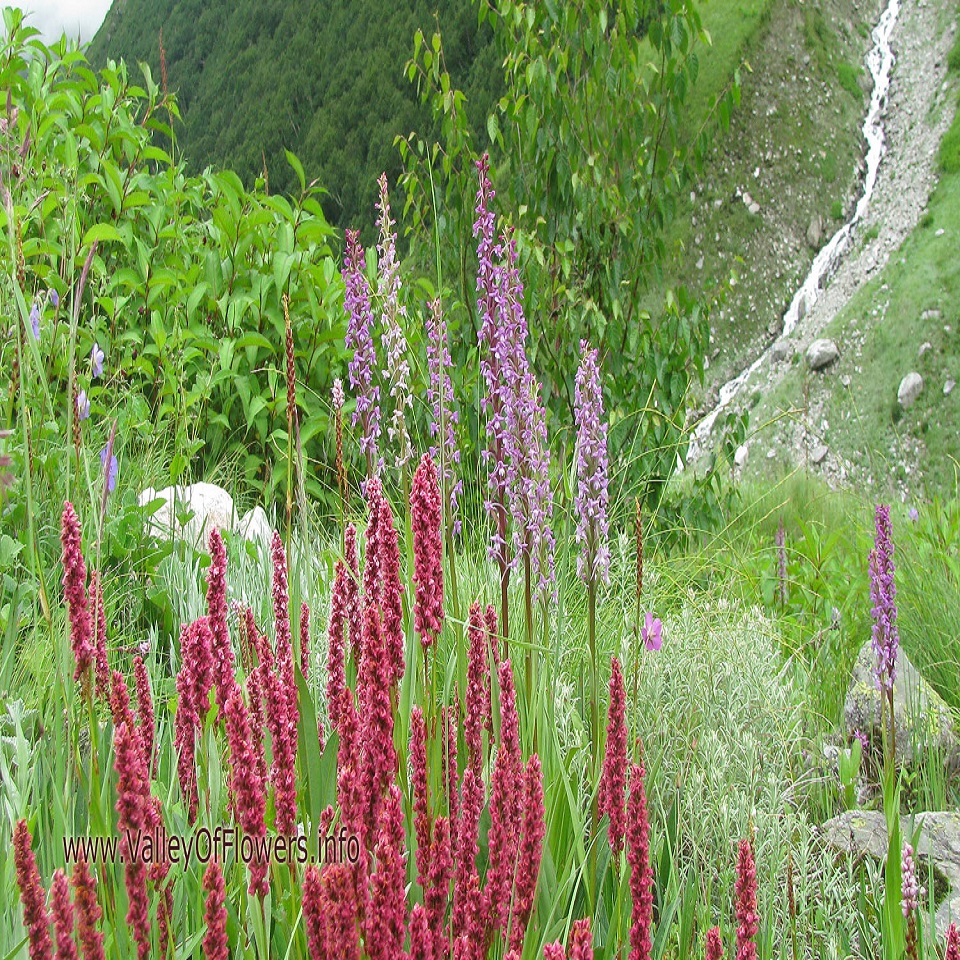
(886,638)
(590,504)
(393,315)
(363,364)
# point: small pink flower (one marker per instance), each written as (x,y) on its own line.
(32,895)
(340,908)
(478,688)
(418,779)
(215,943)
(650,632)
(304,640)
(421,940)
(437,892)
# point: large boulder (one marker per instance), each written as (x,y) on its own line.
(821,353)
(922,721)
(864,833)
(211,507)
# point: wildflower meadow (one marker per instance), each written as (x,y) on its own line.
(479,690)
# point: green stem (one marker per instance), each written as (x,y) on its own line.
(594,727)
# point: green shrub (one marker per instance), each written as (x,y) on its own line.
(849,77)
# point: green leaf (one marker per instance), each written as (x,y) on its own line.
(100,233)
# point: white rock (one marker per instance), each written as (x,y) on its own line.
(924,348)
(740,457)
(211,506)
(911,386)
(819,453)
(948,387)
(821,353)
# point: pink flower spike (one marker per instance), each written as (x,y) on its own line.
(391,600)
(304,640)
(313,914)
(581,940)
(613,780)
(336,677)
(554,951)
(426,513)
(215,943)
(32,895)
(88,912)
(384,921)
(421,940)
(714,945)
(641,875)
(418,779)
(651,632)
(531,848)
(75,592)
(222,650)
(953,943)
(745,887)
(144,711)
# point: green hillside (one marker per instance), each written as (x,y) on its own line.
(324,80)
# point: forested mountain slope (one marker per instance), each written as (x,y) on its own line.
(325,80)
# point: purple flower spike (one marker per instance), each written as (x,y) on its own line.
(914,514)
(591,501)
(53,297)
(359,339)
(112,472)
(651,632)
(883,595)
(96,360)
(83,405)
(35,320)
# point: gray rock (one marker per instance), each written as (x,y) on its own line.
(864,833)
(254,526)
(819,454)
(930,315)
(821,353)
(781,351)
(948,387)
(815,232)
(740,457)
(925,347)
(922,721)
(911,386)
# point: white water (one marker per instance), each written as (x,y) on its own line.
(879,63)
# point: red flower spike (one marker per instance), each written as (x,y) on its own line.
(553,951)
(88,912)
(713,949)
(531,848)
(147,725)
(477,703)
(437,893)
(641,875)
(466,881)
(75,591)
(340,908)
(384,919)
(581,940)
(953,943)
(246,785)
(613,780)
(505,801)
(32,895)
(421,802)
(745,887)
(421,939)
(426,513)
(134,815)
(215,943)
(313,914)
(221,648)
